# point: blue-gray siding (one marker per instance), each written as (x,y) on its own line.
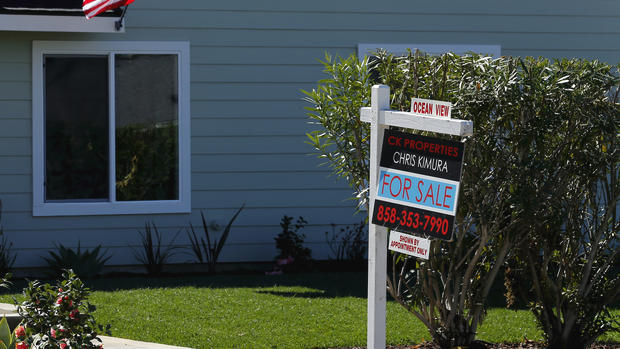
(249,61)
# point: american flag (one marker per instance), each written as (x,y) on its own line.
(94,7)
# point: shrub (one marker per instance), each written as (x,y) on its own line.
(58,316)
(153,255)
(86,264)
(290,243)
(530,118)
(207,250)
(349,243)
(343,140)
(7,256)
(565,267)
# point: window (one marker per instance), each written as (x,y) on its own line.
(110,128)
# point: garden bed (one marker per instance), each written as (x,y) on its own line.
(484,345)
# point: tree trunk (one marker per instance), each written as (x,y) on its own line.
(457,333)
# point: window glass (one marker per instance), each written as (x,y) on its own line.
(76,128)
(147,154)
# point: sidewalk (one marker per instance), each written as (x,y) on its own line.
(120,343)
(9,311)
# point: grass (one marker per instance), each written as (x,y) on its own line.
(256,311)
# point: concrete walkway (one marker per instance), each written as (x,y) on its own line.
(120,343)
(10,312)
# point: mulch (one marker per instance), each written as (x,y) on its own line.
(484,345)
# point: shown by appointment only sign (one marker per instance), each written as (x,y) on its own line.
(418,185)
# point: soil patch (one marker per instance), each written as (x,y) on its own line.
(484,345)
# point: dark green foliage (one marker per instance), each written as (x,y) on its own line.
(52,315)
(153,255)
(350,243)
(147,162)
(343,139)
(539,187)
(86,264)
(7,256)
(205,249)
(290,244)
(564,266)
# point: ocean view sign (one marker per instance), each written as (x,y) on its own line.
(428,107)
(418,186)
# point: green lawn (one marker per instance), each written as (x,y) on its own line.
(256,311)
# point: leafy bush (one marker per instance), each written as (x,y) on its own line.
(153,255)
(206,250)
(343,139)
(7,256)
(58,316)
(537,126)
(290,243)
(565,268)
(349,243)
(86,264)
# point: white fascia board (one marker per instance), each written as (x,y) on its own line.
(64,24)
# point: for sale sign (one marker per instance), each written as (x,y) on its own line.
(418,185)
(409,244)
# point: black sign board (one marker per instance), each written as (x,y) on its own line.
(418,184)
(424,155)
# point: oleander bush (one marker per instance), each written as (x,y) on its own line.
(539,185)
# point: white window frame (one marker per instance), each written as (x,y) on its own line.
(432,49)
(112,207)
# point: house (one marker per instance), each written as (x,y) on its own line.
(208,93)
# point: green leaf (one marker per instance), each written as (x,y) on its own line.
(6,337)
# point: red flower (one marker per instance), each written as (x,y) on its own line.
(21,345)
(20,332)
(53,333)
(63,345)
(74,313)
(59,300)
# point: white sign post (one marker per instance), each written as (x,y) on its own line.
(380,117)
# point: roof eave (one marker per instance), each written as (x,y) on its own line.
(58,23)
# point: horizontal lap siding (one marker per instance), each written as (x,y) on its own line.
(249,63)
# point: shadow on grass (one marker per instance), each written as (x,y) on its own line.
(327,285)
(322,284)
(309,295)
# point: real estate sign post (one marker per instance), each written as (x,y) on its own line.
(398,178)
